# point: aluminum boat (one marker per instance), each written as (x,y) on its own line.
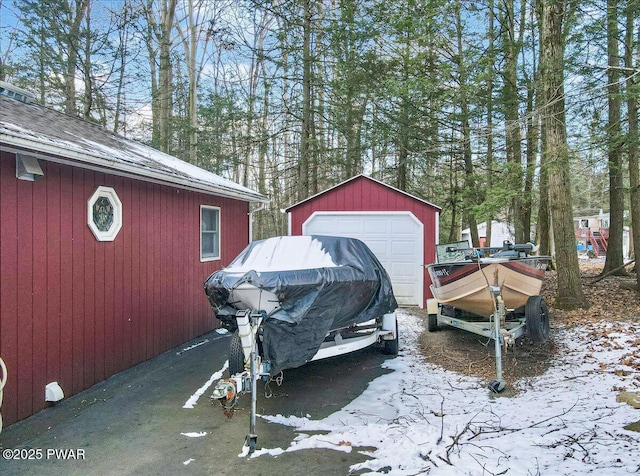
(465,277)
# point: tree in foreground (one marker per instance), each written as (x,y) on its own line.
(556,154)
(632,139)
(615,146)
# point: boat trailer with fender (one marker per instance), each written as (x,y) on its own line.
(495,296)
(503,330)
(247,367)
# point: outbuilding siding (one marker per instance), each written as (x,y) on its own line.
(365,194)
(76,310)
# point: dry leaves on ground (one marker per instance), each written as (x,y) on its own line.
(608,299)
(474,355)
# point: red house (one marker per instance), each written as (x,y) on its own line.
(402,230)
(104,247)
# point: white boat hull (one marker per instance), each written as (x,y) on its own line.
(248,296)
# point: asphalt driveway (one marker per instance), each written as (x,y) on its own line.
(135,423)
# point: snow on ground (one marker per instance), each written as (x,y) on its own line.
(193,399)
(422,419)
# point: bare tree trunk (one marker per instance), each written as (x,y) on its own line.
(454,192)
(544,215)
(632,140)
(193,85)
(165,83)
(305,140)
(512,125)
(470,182)
(403,145)
(87,101)
(72,56)
(259,231)
(544,223)
(531,154)
(121,55)
(570,293)
(543,229)
(151,34)
(614,145)
(317,120)
(256,58)
(42,85)
(490,72)
(531,137)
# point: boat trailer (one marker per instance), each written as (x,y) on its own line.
(253,368)
(227,390)
(503,331)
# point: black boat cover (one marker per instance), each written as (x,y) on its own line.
(323,283)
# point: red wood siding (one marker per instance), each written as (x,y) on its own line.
(75,310)
(364,194)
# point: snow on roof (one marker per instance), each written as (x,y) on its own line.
(60,138)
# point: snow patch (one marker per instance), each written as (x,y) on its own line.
(198,434)
(193,399)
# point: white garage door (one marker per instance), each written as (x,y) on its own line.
(396,238)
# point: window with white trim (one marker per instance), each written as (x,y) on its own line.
(209,233)
(104,213)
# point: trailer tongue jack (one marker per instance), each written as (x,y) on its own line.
(227,390)
(498,318)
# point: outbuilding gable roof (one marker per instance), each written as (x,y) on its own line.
(359,177)
(54,136)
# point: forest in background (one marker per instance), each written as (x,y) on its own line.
(524,111)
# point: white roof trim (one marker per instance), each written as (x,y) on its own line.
(59,154)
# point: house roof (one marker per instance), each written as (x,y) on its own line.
(361,176)
(54,136)
(494,223)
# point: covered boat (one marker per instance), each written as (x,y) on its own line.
(304,287)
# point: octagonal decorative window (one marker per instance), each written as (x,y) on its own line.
(104,213)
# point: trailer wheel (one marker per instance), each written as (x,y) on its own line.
(536,314)
(391,347)
(236,356)
(432,323)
